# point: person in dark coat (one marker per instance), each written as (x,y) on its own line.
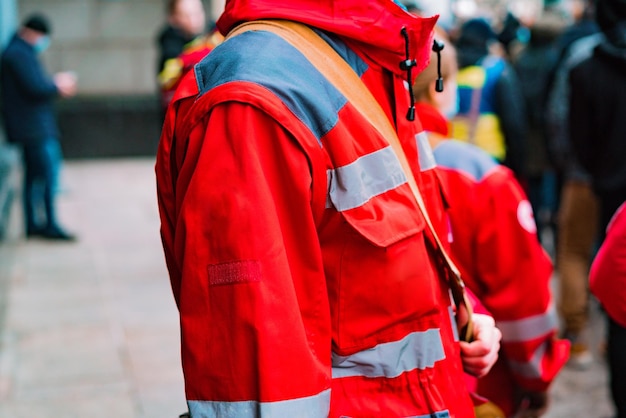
(533,66)
(598,135)
(28,95)
(597,108)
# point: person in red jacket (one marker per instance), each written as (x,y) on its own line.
(174,69)
(495,245)
(607,281)
(185,28)
(307,281)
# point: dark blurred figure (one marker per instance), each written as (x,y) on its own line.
(186,22)
(513,34)
(577,217)
(533,65)
(598,133)
(583,24)
(597,109)
(491,105)
(28,95)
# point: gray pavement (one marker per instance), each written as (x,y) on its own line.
(90,329)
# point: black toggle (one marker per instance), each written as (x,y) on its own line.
(438,47)
(406,64)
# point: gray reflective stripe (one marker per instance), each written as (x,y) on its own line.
(529,328)
(418,350)
(329,180)
(455,331)
(355,184)
(315,406)
(532,368)
(440,414)
(426,156)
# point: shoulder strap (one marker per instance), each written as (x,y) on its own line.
(343,77)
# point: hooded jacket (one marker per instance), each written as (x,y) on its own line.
(607,277)
(306,283)
(494,243)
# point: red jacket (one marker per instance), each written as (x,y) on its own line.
(494,242)
(299,261)
(607,278)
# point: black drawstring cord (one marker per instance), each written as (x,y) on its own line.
(407,66)
(438,47)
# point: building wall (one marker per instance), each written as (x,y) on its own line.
(8,13)
(110,44)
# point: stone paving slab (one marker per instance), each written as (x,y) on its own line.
(90,329)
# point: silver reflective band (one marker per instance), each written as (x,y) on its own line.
(417,350)
(440,414)
(425,152)
(310,407)
(455,331)
(373,174)
(529,328)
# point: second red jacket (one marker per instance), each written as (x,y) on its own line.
(494,243)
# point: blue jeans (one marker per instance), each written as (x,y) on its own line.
(42,163)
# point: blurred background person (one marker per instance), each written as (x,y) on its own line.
(186,23)
(494,243)
(581,22)
(491,105)
(597,108)
(577,205)
(598,133)
(534,64)
(607,280)
(175,68)
(28,95)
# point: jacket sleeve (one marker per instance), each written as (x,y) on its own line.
(245,261)
(512,279)
(607,278)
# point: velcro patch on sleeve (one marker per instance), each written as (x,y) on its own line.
(242,271)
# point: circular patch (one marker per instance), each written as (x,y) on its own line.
(525,216)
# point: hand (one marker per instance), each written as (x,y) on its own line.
(481,354)
(66,83)
(532,404)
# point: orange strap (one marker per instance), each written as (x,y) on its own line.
(343,77)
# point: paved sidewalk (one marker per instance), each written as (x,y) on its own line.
(90,329)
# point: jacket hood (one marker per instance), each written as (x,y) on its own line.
(373,26)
